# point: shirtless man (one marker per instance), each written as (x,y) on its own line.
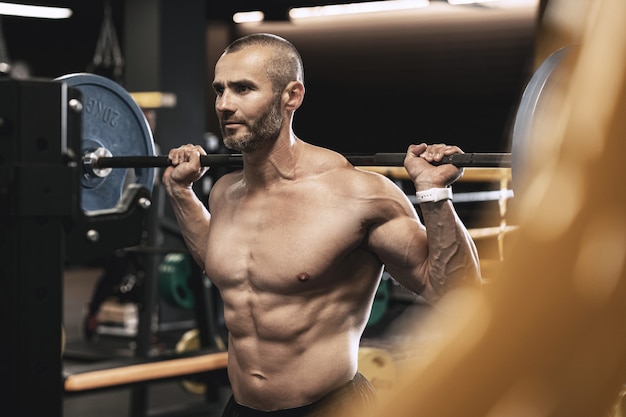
(296,242)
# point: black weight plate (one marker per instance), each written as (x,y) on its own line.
(112,120)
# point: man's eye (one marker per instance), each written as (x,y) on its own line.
(243,88)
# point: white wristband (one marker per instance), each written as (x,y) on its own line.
(433,195)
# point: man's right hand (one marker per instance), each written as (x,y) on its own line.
(185,169)
(425,175)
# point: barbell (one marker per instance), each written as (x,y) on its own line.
(98,161)
(116,134)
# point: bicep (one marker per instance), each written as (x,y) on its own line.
(400,243)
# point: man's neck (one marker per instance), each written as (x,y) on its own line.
(274,163)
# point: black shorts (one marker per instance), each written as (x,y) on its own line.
(358,392)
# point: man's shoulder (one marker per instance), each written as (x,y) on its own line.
(327,160)
(318,155)
(226,182)
(341,174)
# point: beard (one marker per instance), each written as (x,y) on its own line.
(261,132)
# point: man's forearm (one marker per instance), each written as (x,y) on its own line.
(193,219)
(452,255)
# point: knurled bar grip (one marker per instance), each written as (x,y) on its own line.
(486,160)
(483,160)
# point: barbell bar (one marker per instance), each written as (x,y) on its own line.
(116,134)
(97,161)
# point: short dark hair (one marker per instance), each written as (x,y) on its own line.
(286,64)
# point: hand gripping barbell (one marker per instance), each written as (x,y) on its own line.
(110,113)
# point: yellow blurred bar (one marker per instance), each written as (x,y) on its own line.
(469,175)
(154,99)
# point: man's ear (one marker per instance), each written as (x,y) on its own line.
(294,95)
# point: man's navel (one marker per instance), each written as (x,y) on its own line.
(258,376)
(303,277)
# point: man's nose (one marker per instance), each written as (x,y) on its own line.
(224,103)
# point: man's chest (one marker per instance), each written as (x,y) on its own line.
(275,242)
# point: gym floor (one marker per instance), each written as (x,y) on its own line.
(170,397)
(163,397)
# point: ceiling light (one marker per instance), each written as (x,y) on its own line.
(25,10)
(462,2)
(336,10)
(356,8)
(248,17)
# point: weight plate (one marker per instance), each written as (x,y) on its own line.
(174,274)
(189,342)
(111,120)
(528,112)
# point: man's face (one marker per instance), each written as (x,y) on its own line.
(248,109)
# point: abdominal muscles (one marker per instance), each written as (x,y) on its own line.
(286,352)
